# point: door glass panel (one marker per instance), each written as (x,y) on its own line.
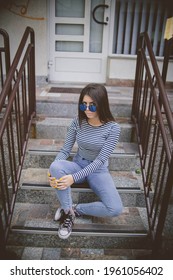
(96,30)
(70,8)
(69,29)
(68,46)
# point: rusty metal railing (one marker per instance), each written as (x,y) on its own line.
(15,124)
(153,119)
(168,53)
(4,56)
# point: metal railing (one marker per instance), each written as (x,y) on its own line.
(153,119)
(168,54)
(15,124)
(4,56)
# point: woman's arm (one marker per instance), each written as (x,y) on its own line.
(64,153)
(103,156)
(69,142)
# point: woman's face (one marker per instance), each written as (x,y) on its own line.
(89,101)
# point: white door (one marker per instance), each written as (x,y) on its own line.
(79,31)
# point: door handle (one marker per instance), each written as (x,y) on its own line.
(93,13)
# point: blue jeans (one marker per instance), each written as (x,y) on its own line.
(100,182)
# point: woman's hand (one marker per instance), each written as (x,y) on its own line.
(65,182)
(62,183)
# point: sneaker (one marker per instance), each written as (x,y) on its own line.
(59,215)
(77,215)
(65,228)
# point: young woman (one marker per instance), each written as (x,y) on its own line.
(96,134)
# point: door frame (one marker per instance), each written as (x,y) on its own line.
(98,73)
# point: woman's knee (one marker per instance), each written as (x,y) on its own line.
(115,210)
(55,169)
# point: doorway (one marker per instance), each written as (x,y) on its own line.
(79,39)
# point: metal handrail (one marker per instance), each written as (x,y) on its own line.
(4,52)
(168,46)
(153,120)
(15,126)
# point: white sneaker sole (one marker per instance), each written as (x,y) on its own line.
(57,214)
(64,236)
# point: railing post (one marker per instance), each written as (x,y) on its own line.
(138,81)
(2,237)
(164,209)
(4,253)
(168,45)
(6,50)
(32,75)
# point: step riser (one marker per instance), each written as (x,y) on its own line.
(129,199)
(70,110)
(52,240)
(119,163)
(59,132)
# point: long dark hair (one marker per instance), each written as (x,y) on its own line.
(99,95)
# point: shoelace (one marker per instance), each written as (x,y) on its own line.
(68,222)
(77,215)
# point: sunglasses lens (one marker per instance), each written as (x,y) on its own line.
(92,108)
(82,107)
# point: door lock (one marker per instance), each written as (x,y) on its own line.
(50,63)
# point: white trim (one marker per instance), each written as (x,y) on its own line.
(71,38)
(87,26)
(70,20)
(128,56)
(111,29)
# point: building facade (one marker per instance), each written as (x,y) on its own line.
(81,41)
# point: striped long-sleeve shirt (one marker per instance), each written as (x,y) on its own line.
(95,143)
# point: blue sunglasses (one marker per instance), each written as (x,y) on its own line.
(83,107)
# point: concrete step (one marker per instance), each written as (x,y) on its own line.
(49,253)
(34,188)
(56,128)
(41,153)
(65,104)
(33,225)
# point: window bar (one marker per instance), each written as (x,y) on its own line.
(157,28)
(162,41)
(135,28)
(150,22)
(121,27)
(144,17)
(128,27)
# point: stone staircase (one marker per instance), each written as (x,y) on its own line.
(34,233)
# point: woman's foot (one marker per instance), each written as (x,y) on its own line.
(77,215)
(65,228)
(59,215)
